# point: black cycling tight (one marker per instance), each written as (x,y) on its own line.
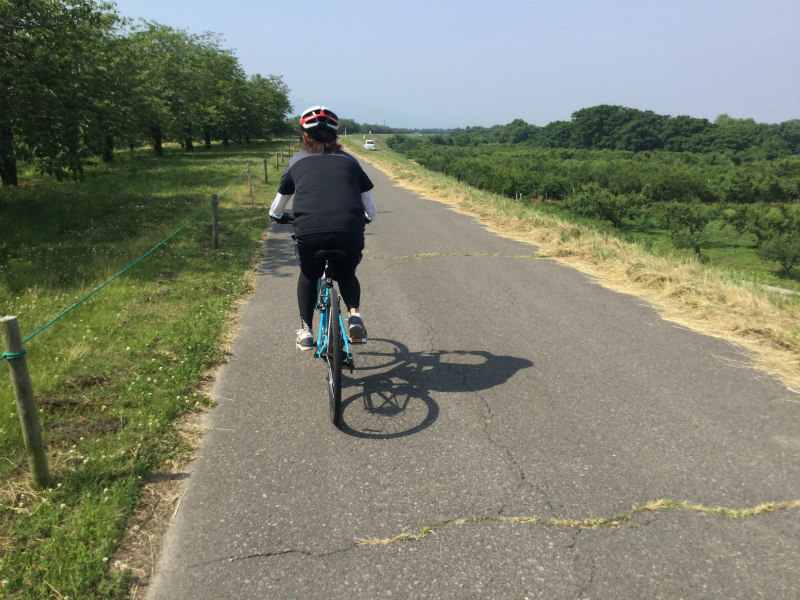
(349,288)
(343,269)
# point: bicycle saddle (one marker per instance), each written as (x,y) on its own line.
(330,254)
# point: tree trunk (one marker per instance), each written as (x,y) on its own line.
(189,143)
(8,171)
(157,141)
(247,138)
(208,140)
(225,141)
(108,151)
(8,164)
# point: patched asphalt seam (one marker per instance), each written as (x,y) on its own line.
(591,523)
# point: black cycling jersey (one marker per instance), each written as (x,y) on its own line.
(327,192)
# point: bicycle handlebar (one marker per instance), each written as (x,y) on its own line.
(288,217)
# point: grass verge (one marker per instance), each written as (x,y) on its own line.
(114,374)
(706,298)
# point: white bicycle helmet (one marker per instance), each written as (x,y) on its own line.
(317,119)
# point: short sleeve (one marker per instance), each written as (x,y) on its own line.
(286,186)
(365,182)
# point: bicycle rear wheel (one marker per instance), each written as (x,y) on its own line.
(333,356)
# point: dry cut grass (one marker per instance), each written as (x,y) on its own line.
(686,292)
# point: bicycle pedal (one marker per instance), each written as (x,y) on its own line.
(358,340)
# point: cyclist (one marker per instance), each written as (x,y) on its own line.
(332,204)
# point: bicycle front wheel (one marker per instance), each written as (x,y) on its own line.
(333,356)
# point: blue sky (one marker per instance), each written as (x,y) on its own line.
(448,63)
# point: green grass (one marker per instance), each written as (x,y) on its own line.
(113,374)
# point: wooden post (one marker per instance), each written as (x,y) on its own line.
(215,220)
(266,177)
(276,161)
(250,183)
(26,403)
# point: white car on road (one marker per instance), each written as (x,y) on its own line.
(369,145)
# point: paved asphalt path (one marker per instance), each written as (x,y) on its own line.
(494,384)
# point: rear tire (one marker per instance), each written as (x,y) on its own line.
(333,356)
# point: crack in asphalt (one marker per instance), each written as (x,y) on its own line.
(489,415)
(574,540)
(588,584)
(427,255)
(254,555)
(578,567)
(590,523)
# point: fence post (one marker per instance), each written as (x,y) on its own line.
(276,161)
(250,183)
(266,178)
(26,403)
(215,220)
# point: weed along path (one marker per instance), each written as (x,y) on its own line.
(512,430)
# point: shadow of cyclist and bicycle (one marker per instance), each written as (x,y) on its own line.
(389,394)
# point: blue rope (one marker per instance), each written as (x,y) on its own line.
(81,301)
(13,355)
(233,184)
(9,356)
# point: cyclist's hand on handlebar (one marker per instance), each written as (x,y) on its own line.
(286,217)
(367,220)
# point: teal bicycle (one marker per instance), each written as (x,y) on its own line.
(332,345)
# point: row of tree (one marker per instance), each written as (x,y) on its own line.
(680,192)
(607,127)
(662,176)
(775,230)
(76,80)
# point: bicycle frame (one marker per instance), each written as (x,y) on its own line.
(323,305)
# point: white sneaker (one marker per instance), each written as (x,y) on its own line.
(305,340)
(355,327)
